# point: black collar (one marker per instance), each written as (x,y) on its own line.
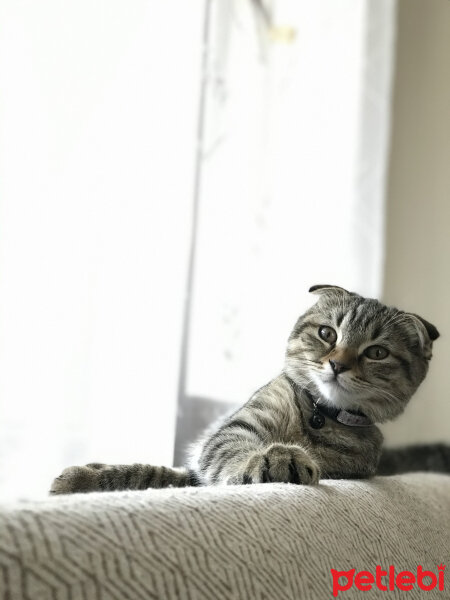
(322,409)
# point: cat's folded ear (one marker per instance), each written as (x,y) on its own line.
(433,333)
(431,330)
(427,333)
(326,288)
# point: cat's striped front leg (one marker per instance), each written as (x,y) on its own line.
(97,477)
(240,454)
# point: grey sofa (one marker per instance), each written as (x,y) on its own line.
(265,541)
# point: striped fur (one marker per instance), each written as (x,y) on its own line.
(349,352)
(420,457)
(96,477)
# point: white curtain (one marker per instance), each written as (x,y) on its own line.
(98,120)
(293,177)
(99,104)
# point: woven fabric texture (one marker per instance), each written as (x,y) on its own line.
(265,541)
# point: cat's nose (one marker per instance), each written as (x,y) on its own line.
(338,367)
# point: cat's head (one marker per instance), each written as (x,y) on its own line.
(358,353)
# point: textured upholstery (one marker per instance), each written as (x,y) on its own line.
(254,542)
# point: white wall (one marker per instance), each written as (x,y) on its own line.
(417,270)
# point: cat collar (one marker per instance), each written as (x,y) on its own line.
(345,417)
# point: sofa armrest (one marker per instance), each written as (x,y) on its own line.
(255,541)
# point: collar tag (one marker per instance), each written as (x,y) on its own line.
(347,418)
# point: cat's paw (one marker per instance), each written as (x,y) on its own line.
(281,463)
(77,480)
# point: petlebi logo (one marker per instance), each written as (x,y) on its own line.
(388,580)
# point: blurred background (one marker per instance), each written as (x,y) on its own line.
(174,176)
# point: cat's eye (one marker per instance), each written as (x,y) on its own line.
(327,334)
(376,352)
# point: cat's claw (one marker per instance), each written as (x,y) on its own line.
(281,463)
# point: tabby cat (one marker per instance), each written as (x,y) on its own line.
(350,362)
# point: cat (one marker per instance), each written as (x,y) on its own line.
(351,362)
